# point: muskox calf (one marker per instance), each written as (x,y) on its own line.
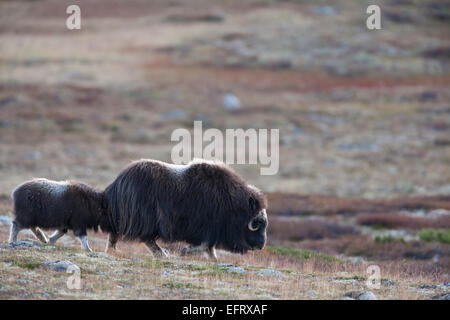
(60,205)
(203,203)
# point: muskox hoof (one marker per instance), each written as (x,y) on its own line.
(164,253)
(161,254)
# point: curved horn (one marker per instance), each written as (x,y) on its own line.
(250,226)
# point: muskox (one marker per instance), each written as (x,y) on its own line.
(60,205)
(203,203)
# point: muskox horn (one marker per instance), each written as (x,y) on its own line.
(250,226)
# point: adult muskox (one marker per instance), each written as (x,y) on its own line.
(203,203)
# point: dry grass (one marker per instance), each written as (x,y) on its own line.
(293,204)
(399,221)
(133,274)
(297,230)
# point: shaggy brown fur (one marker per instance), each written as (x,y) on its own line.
(65,205)
(203,203)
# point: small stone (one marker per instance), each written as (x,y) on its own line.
(428,286)
(224,265)
(428,96)
(270,273)
(325,10)
(35,155)
(231,102)
(175,114)
(60,266)
(387,282)
(367,295)
(445,296)
(236,270)
(25,244)
(45,295)
(312,293)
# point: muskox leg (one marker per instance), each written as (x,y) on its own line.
(155,249)
(39,234)
(56,235)
(212,253)
(112,241)
(211,250)
(82,236)
(15,229)
(84,243)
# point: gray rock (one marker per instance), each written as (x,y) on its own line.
(225,265)
(5,220)
(231,102)
(60,265)
(365,295)
(312,293)
(445,296)
(325,10)
(35,155)
(45,295)
(270,273)
(175,114)
(236,270)
(25,244)
(428,286)
(387,282)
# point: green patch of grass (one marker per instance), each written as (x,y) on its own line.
(154,264)
(300,254)
(180,285)
(219,271)
(25,263)
(195,267)
(435,235)
(30,265)
(388,239)
(378,227)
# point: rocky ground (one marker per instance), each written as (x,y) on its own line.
(30,270)
(364,123)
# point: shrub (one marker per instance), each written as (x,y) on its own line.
(388,239)
(435,235)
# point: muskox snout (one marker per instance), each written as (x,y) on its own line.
(260,246)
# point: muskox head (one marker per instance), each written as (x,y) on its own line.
(249,226)
(255,232)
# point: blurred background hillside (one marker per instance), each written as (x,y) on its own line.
(364,115)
